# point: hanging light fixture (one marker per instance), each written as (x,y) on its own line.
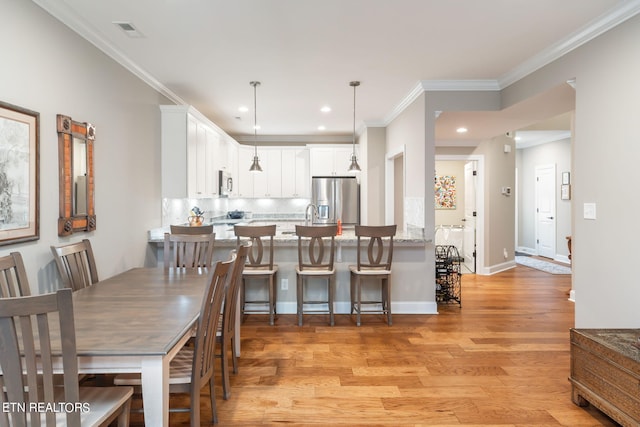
(354,166)
(255,165)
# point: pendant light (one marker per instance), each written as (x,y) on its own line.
(255,165)
(354,166)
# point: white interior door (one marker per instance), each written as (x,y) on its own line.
(546,210)
(469,242)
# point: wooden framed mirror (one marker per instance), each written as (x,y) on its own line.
(77,185)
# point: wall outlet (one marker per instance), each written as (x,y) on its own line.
(284,284)
(505,253)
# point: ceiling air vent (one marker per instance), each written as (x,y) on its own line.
(129,29)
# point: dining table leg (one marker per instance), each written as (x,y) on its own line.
(155,390)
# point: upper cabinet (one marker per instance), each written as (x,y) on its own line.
(295,173)
(285,172)
(193,151)
(331,160)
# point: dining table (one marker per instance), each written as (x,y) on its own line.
(136,322)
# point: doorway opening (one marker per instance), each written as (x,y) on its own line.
(463,226)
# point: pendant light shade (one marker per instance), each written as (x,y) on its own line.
(255,165)
(354,166)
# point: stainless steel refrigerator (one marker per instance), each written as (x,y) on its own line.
(336,198)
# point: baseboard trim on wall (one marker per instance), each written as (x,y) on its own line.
(497,268)
(344,307)
(526,250)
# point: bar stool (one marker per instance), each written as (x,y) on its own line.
(378,242)
(259,266)
(315,262)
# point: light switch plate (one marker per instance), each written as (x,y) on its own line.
(589,211)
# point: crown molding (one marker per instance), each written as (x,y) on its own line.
(614,17)
(68,17)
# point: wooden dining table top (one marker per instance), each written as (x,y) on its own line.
(142,311)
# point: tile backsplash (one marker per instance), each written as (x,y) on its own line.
(176,211)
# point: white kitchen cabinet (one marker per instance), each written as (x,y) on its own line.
(331,160)
(193,149)
(268,183)
(245,178)
(295,173)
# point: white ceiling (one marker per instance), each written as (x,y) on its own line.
(305,53)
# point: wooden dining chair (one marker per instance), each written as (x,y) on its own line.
(315,261)
(27,364)
(193,366)
(76,264)
(374,257)
(226,336)
(188,250)
(188,229)
(13,276)
(259,266)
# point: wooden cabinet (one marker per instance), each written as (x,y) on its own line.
(605,372)
(193,149)
(295,173)
(331,160)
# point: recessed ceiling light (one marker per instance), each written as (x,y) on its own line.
(243,109)
(326,109)
(129,29)
(321,127)
(462,130)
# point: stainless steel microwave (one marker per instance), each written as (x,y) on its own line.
(225,183)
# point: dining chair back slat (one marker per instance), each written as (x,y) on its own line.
(188,250)
(76,264)
(13,276)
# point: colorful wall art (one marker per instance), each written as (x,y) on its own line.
(445,192)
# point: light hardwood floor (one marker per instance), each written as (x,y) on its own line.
(501,359)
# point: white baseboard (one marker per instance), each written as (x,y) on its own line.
(497,268)
(525,250)
(344,307)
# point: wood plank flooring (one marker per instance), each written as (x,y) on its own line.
(501,359)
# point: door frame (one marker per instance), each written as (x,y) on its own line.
(481,269)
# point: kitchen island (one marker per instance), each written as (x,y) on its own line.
(412,286)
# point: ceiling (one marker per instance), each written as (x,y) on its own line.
(205,52)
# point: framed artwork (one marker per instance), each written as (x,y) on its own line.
(565,192)
(19,174)
(445,192)
(566,178)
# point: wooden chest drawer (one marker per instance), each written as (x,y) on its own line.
(605,371)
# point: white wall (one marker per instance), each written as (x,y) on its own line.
(49,69)
(605,153)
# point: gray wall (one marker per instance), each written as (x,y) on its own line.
(604,154)
(49,69)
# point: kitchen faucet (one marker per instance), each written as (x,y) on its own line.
(314,213)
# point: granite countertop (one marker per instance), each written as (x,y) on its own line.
(285,232)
